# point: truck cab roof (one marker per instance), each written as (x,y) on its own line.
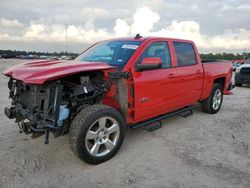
(149,38)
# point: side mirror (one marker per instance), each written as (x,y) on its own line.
(149,63)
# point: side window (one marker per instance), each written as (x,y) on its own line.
(160,50)
(185,54)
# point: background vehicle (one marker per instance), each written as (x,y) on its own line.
(242,74)
(237,63)
(126,81)
(7,56)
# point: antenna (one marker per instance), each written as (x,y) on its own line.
(66,39)
(244,54)
(138,36)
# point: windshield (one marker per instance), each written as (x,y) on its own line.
(115,53)
(248,61)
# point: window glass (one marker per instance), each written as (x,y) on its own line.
(115,53)
(160,50)
(184,53)
(104,51)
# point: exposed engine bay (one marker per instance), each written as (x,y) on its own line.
(39,109)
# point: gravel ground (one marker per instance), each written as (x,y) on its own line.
(199,151)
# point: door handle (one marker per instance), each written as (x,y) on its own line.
(198,71)
(171,75)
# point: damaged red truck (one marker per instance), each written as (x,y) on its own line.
(133,82)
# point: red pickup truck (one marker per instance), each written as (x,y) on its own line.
(133,82)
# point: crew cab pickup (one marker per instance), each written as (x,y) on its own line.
(132,82)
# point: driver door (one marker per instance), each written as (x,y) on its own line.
(154,90)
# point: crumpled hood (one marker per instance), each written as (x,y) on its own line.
(38,72)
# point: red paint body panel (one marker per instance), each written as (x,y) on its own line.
(169,89)
(228,92)
(41,71)
(214,71)
(149,60)
(155,92)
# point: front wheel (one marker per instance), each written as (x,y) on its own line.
(97,133)
(213,103)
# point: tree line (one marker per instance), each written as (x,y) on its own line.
(225,56)
(211,56)
(16,54)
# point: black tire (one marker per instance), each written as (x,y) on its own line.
(81,125)
(207,105)
(238,84)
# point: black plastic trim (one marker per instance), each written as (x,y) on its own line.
(165,116)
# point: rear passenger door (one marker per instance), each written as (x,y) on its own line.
(189,73)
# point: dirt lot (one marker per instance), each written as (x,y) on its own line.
(199,151)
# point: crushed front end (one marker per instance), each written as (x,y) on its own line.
(50,107)
(36,108)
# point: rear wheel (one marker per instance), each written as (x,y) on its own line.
(97,133)
(213,103)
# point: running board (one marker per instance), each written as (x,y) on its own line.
(152,126)
(149,124)
(186,114)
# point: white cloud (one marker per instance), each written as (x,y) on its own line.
(227,7)
(121,28)
(152,3)
(184,30)
(237,39)
(57,33)
(35,31)
(94,12)
(143,22)
(95,35)
(194,7)
(244,7)
(4,36)
(10,23)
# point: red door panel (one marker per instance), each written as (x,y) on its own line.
(154,92)
(189,72)
(190,81)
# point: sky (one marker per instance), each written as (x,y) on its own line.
(214,25)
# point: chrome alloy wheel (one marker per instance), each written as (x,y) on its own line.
(217,98)
(102,136)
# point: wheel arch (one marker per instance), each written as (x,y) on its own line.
(221,81)
(207,89)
